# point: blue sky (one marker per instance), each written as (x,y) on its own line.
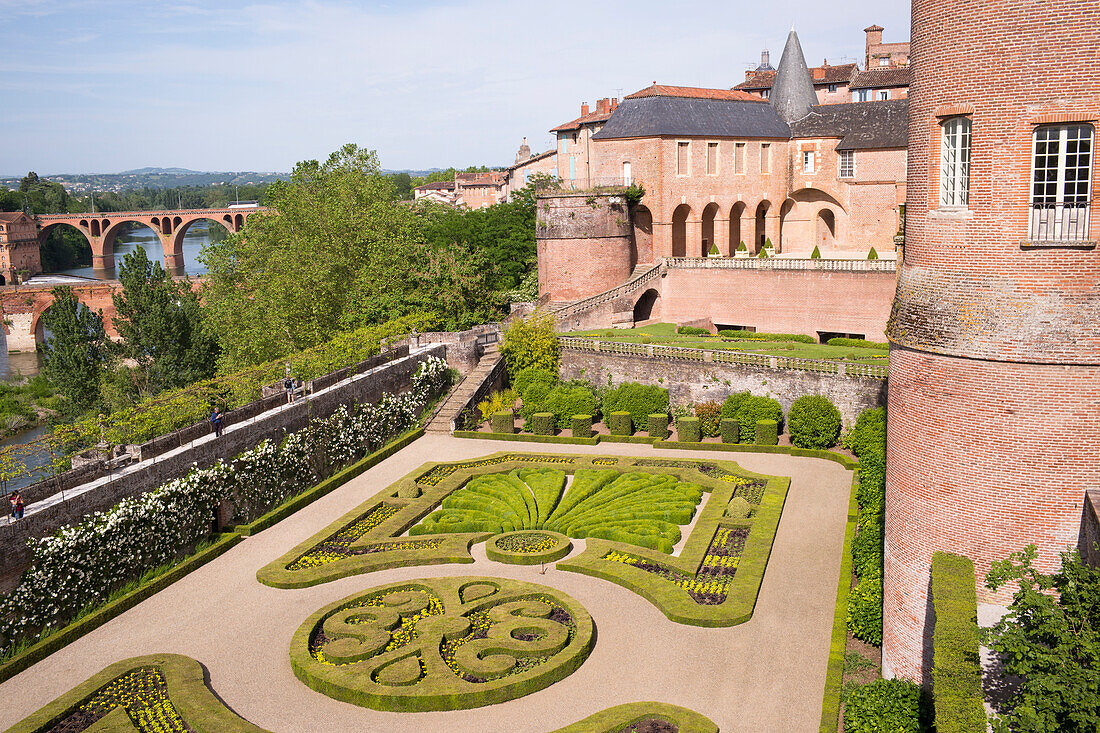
(103,85)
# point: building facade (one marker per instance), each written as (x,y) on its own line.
(994,384)
(19,253)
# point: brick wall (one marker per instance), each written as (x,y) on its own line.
(690,381)
(1089,544)
(994,404)
(584,244)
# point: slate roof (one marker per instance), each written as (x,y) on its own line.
(890,76)
(821,75)
(656,116)
(793,94)
(860,125)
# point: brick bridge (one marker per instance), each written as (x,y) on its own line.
(100,229)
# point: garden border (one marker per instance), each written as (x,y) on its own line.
(562,548)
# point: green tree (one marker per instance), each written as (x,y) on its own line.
(337,255)
(1050,640)
(531,342)
(74,354)
(160,322)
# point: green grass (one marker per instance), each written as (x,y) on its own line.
(665,334)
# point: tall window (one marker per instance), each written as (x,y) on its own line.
(739,158)
(765,93)
(765,158)
(712,159)
(846,164)
(682,162)
(627,179)
(572,168)
(861,95)
(1060,183)
(883,95)
(807,161)
(955,162)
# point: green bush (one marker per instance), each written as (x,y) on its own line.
(658,425)
(816,254)
(868,434)
(741,247)
(543,423)
(709,414)
(738,508)
(496,402)
(867,439)
(533,384)
(582,426)
(687,430)
(567,401)
(865,609)
(813,422)
(503,422)
(800,338)
(857,343)
(618,423)
(731,431)
(956,667)
(531,342)
(747,409)
(640,400)
(867,551)
(872,255)
(692,331)
(767,432)
(883,706)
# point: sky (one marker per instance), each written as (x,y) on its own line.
(101,86)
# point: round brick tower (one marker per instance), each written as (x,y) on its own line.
(994,388)
(584,244)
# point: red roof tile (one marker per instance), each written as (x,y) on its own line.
(664,90)
(887,76)
(820,75)
(585,120)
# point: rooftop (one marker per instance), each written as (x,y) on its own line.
(825,74)
(664,90)
(657,115)
(889,76)
(860,125)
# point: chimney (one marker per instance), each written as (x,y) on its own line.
(584,108)
(874,38)
(765,62)
(614,103)
(603,106)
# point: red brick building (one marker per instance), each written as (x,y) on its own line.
(18,246)
(994,386)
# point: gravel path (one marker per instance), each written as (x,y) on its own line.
(765,675)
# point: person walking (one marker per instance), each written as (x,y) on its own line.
(17,505)
(216,418)
(288,385)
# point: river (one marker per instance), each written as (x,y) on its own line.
(197,236)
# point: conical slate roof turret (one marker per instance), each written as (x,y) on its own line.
(793,93)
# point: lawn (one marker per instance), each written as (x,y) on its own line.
(665,333)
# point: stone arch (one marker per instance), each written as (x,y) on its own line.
(826,229)
(107,243)
(707,238)
(173,248)
(784,214)
(804,226)
(46,231)
(761,232)
(736,212)
(679,230)
(641,246)
(648,306)
(238,222)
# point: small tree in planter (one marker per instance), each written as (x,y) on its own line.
(769,247)
(714,251)
(872,255)
(816,254)
(742,250)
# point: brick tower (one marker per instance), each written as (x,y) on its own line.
(994,389)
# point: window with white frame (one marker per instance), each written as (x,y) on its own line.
(1061,181)
(846,164)
(955,162)
(861,95)
(883,95)
(807,161)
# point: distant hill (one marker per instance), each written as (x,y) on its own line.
(151,178)
(140,171)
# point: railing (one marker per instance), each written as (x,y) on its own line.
(608,295)
(781,263)
(726,356)
(1060,222)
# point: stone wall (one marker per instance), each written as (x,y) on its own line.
(691,381)
(393,377)
(464,348)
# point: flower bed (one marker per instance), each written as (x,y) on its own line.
(442,643)
(528,548)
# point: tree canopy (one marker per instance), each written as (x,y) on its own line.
(74,353)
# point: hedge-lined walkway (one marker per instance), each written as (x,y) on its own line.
(765,675)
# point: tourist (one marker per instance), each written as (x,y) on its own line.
(217,419)
(288,385)
(17,505)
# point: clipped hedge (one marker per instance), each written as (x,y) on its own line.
(543,423)
(767,432)
(883,706)
(658,425)
(688,429)
(567,401)
(857,343)
(730,429)
(582,426)
(640,400)
(956,667)
(503,422)
(534,383)
(867,439)
(757,336)
(748,408)
(813,422)
(619,423)
(692,331)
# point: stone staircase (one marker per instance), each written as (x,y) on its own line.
(471,388)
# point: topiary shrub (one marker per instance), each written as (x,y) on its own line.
(813,422)
(738,508)
(767,432)
(741,247)
(582,426)
(543,423)
(692,331)
(658,425)
(714,251)
(618,423)
(503,422)
(872,255)
(533,384)
(868,434)
(731,430)
(687,429)
(567,401)
(747,409)
(816,254)
(709,414)
(886,706)
(640,400)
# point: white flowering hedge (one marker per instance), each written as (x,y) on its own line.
(79,565)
